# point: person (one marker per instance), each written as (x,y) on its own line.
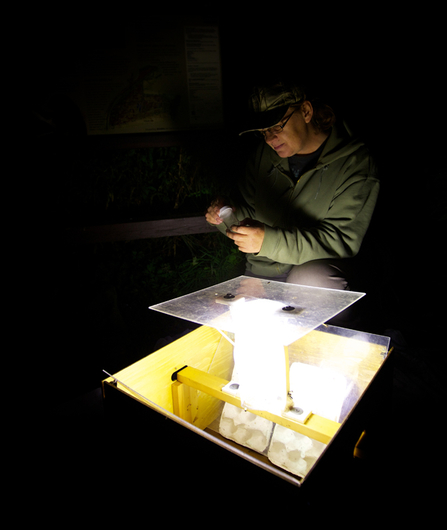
(308,194)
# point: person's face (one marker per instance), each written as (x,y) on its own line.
(297,136)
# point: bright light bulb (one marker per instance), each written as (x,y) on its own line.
(260,361)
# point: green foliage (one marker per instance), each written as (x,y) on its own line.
(213,260)
(148,183)
(151,271)
(145,182)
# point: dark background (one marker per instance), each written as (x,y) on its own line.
(381,71)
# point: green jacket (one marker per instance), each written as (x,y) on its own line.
(324,215)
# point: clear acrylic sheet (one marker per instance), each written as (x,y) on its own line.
(293,310)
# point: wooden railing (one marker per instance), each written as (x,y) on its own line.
(149,229)
(143,230)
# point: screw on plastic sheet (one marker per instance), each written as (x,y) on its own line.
(234,386)
(288,308)
(228,296)
(297,410)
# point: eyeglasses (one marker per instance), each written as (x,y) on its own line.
(276,129)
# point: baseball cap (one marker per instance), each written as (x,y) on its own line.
(267,105)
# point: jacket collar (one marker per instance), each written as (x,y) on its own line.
(340,143)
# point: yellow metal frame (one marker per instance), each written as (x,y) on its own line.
(184,403)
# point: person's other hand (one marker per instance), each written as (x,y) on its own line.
(249,236)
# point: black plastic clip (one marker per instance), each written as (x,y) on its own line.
(174,374)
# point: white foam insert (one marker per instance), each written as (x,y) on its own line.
(293,451)
(319,389)
(245,428)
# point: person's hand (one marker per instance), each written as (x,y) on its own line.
(212,214)
(249,236)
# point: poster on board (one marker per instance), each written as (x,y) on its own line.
(155,77)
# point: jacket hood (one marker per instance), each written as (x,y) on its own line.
(340,143)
